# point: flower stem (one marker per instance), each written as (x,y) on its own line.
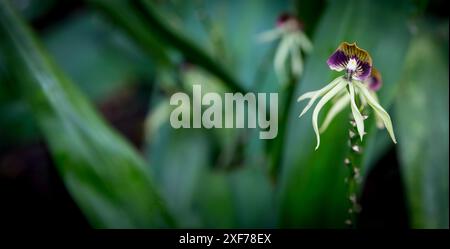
(353,180)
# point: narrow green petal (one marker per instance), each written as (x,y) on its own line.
(355,111)
(339,96)
(329,95)
(361,97)
(305,43)
(296,61)
(337,107)
(281,55)
(270,35)
(307,95)
(378,109)
(316,94)
(378,119)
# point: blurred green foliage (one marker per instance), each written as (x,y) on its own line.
(222,178)
(106,177)
(422,117)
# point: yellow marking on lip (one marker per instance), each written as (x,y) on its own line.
(352,50)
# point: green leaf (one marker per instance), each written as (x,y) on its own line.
(99,62)
(422,119)
(122,14)
(253,197)
(312,191)
(309,13)
(103,173)
(17,125)
(181,157)
(189,49)
(215,202)
(241,198)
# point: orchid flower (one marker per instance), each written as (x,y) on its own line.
(292,42)
(359,81)
(342,100)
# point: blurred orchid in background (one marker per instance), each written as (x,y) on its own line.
(289,29)
(359,80)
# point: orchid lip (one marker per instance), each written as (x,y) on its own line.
(357,62)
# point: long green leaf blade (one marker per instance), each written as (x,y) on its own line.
(421,115)
(104,174)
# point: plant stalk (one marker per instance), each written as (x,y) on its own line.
(353,180)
